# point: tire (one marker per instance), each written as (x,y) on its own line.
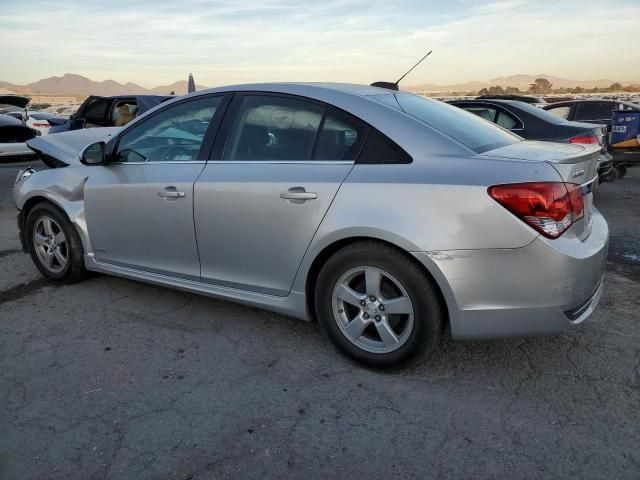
(622,171)
(54,244)
(358,318)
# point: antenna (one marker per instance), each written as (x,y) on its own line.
(411,69)
(394,86)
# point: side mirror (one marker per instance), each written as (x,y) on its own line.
(94,154)
(76,123)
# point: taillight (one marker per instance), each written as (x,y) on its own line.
(549,207)
(582,139)
(41,125)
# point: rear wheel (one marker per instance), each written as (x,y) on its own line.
(377,305)
(54,244)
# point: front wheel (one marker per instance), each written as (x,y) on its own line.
(377,305)
(54,244)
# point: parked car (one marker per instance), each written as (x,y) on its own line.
(114,111)
(534,123)
(385,215)
(13,131)
(601,111)
(537,101)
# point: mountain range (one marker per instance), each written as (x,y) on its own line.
(520,81)
(73,84)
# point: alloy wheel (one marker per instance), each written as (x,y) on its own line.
(50,244)
(372,309)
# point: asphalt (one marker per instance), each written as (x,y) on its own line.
(112,379)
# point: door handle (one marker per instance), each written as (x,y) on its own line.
(170,193)
(298,195)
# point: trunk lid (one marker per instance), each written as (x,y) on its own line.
(575,163)
(65,147)
(15,101)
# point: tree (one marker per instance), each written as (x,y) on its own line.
(496,90)
(512,90)
(484,91)
(541,85)
(615,87)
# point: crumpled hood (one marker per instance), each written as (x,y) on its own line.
(66,147)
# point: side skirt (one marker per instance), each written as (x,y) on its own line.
(293,305)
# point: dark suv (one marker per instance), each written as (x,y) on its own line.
(598,111)
(114,111)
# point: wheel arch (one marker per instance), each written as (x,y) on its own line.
(76,218)
(442,287)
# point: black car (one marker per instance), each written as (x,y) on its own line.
(114,111)
(599,111)
(534,123)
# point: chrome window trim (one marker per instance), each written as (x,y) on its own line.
(283,162)
(247,162)
(158,163)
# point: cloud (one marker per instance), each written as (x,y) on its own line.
(228,41)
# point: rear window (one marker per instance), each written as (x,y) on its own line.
(549,116)
(595,110)
(467,128)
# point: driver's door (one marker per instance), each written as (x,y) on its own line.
(139,208)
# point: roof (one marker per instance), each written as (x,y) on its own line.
(354,89)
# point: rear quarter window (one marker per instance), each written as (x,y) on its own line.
(464,127)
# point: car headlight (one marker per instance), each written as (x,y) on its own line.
(24,174)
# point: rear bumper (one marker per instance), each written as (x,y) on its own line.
(541,289)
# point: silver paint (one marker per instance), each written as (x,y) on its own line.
(233,235)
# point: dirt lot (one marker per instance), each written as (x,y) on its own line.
(119,380)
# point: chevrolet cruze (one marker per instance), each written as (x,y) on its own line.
(385,215)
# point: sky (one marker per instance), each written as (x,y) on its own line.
(156,42)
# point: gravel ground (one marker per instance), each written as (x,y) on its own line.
(114,379)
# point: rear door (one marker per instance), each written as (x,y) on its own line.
(277,165)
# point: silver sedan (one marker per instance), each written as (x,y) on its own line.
(385,215)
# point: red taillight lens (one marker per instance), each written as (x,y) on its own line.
(41,125)
(549,207)
(584,139)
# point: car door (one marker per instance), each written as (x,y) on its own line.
(277,165)
(93,113)
(139,208)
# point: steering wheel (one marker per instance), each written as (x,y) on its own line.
(174,151)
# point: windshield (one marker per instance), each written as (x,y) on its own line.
(470,130)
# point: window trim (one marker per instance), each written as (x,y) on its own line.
(209,137)
(216,155)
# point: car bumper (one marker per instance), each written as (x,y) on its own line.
(541,289)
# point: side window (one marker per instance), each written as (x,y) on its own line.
(485,112)
(172,135)
(562,112)
(380,149)
(594,111)
(340,137)
(271,128)
(95,113)
(123,112)
(507,121)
